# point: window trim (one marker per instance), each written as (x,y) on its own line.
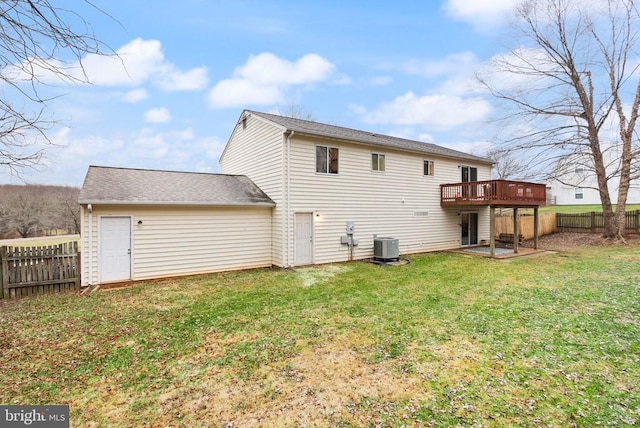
(384,162)
(430,166)
(328,159)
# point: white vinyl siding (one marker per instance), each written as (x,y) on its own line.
(175,241)
(379,204)
(256,149)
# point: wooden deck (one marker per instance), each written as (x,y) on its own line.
(497,193)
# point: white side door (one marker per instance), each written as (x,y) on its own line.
(304,238)
(115,249)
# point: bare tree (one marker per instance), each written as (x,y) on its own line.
(507,165)
(37,39)
(574,80)
(35,210)
(69,211)
(296,111)
(24,211)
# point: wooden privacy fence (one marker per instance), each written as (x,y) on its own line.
(594,222)
(546,225)
(27,271)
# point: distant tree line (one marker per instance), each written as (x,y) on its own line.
(38,210)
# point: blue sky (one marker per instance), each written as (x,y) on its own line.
(403,68)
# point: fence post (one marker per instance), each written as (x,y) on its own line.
(4,273)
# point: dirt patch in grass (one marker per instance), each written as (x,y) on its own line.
(319,385)
(318,275)
(565,241)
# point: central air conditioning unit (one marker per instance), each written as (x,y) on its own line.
(385,249)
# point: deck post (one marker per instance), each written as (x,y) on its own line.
(516,232)
(536,230)
(492,227)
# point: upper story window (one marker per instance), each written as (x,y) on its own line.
(326,160)
(377,162)
(469,173)
(579,193)
(579,169)
(428,167)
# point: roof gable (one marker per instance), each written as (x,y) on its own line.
(363,137)
(120,186)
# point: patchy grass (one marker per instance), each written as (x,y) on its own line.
(578,209)
(448,340)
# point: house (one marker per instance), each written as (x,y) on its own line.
(292,193)
(575,181)
(580,187)
(326,178)
(141,224)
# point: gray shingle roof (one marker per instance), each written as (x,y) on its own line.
(109,185)
(371,138)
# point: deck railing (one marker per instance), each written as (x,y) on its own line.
(493,192)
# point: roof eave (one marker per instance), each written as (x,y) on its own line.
(179,203)
(386,146)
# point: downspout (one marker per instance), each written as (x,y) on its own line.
(289,198)
(90,251)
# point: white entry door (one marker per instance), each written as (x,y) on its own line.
(304,238)
(115,249)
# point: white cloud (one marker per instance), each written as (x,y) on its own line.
(157,115)
(174,80)
(433,111)
(480,14)
(135,95)
(520,70)
(264,79)
(455,63)
(137,62)
(239,92)
(268,69)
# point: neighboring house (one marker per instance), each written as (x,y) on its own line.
(321,177)
(579,186)
(140,224)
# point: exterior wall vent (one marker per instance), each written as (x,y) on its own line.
(385,249)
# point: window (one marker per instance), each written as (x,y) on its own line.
(428,167)
(579,193)
(579,169)
(469,173)
(377,162)
(326,160)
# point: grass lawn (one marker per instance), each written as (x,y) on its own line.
(577,209)
(448,340)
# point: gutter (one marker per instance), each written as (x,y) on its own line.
(289,245)
(90,252)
